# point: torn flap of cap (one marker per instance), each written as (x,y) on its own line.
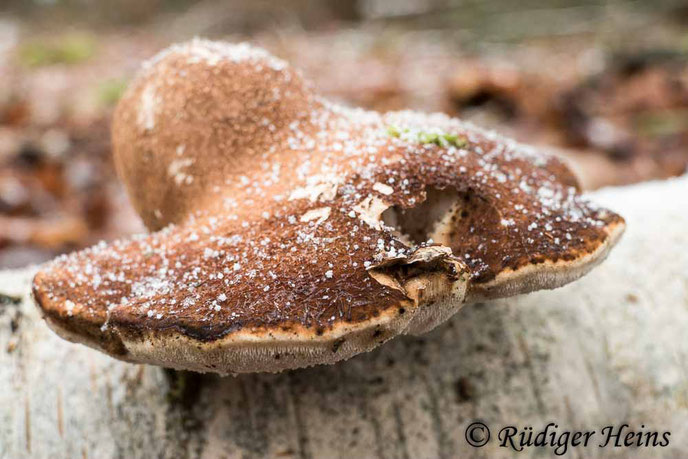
(402,272)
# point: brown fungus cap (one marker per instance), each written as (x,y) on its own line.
(297,232)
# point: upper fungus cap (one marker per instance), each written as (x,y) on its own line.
(297,232)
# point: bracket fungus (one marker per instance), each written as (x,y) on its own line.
(289,231)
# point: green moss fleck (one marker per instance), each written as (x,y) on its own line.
(439,139)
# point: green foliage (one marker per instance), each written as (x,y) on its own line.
(662,123)
(66,49)
(110,91)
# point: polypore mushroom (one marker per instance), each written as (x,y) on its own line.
(297,232)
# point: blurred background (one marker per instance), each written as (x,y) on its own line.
(602,83)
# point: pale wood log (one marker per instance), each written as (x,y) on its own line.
(610,348)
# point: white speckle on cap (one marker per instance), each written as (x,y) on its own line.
(382,188)
(174,170)
(319,215)
(147,108)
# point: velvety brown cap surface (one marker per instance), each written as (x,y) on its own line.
(279,205)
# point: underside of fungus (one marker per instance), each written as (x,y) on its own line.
(289,231)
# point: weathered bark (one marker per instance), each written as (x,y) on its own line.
(608,349)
